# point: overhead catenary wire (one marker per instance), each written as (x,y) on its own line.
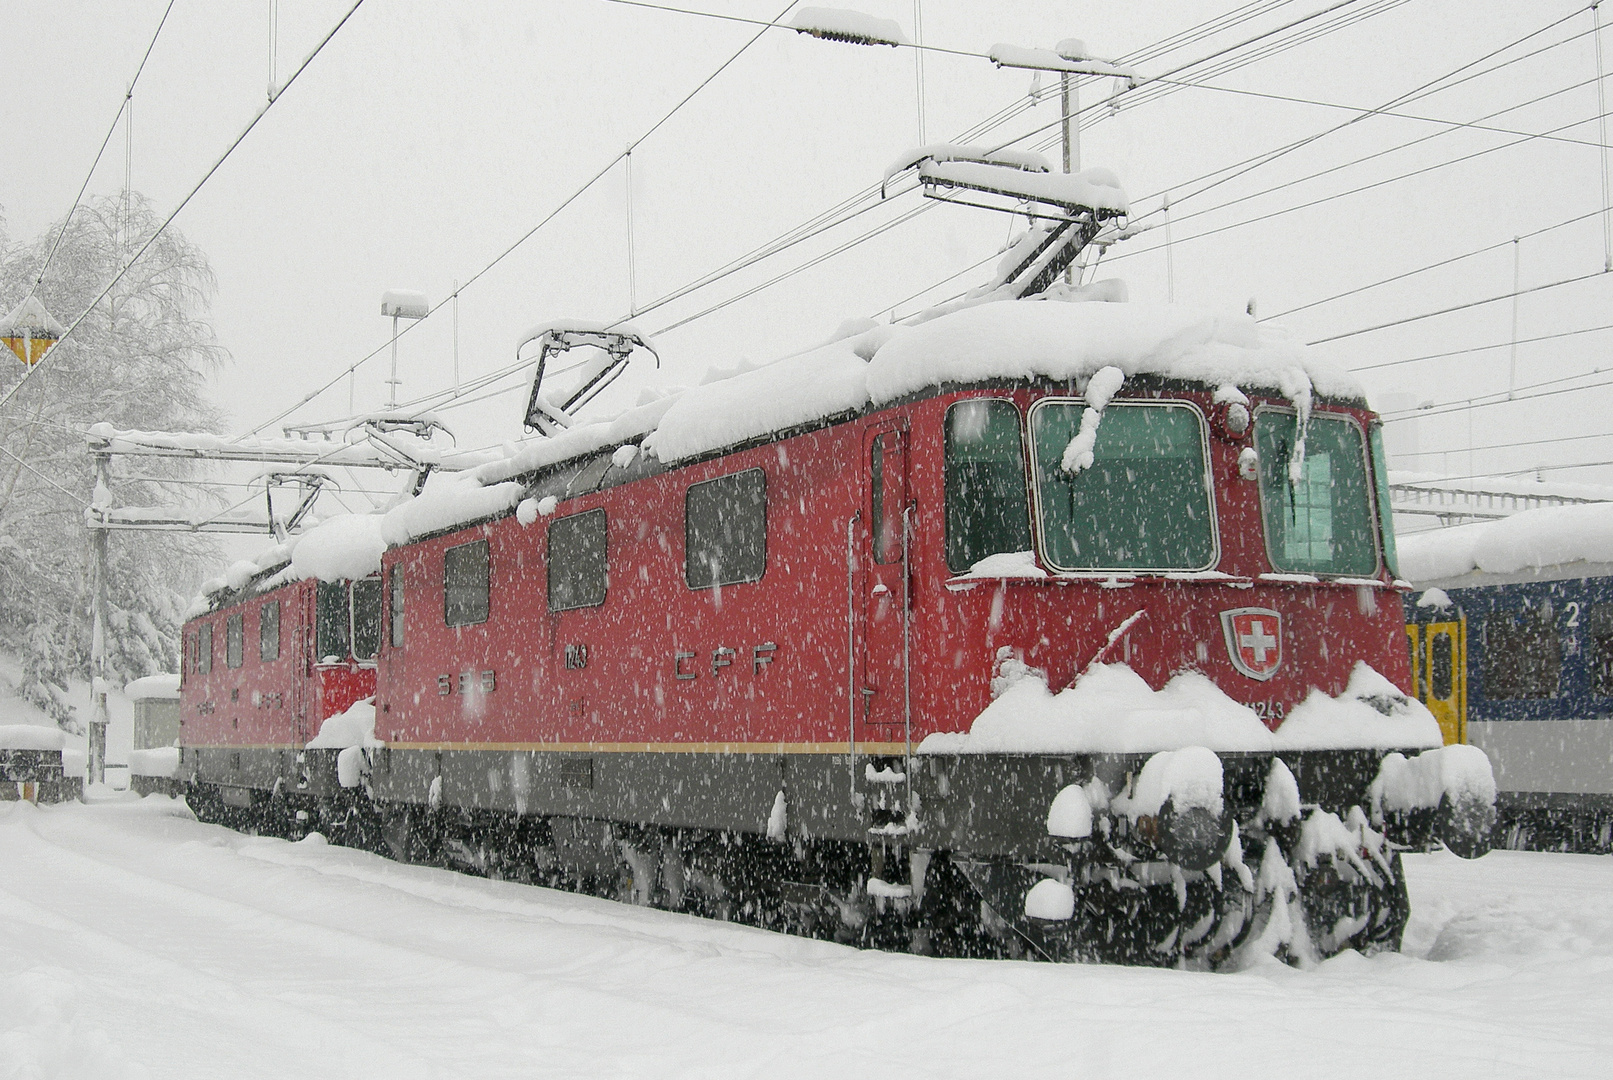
(1482,348)
(1421,171)
(1549,441)
(1429,266)
(123,105)
(1459,307)
(880,228)
(1436,86)
(124,269)
(1183,38)
(1502,398)
(1439,84)
(501,256)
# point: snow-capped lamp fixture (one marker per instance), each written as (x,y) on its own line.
(401,304)
(29,331)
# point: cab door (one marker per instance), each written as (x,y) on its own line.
(885,601)
(1442,676)
(299,614)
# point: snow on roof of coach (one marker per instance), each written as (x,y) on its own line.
(1530,540)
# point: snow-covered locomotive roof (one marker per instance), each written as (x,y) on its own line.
(1533,542)
(867,365)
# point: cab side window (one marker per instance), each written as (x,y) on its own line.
(465,578)
(725,530)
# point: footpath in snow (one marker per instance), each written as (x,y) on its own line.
(136,943)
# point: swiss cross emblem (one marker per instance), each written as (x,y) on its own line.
(1254,640)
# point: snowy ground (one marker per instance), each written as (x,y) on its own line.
(135,942)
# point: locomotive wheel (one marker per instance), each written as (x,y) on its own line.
(403,830)
(1346,911)
(1391,908)
(205,803)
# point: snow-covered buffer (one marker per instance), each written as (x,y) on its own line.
(160,761)
(352,733)
(1455,783)
(1179,794)
(31,737)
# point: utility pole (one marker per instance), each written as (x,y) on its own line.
(1072,142)
(100,505)
(1072,135)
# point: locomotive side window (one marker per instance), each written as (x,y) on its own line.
(333,622)
(725,530)
(269,631)
(577,564)
(1599,648)
(234,639)
(887,498)
(366,618)
(1380,476)
(987,509)
(396,605)
(1523,658)
(204,648)
(1143,504)
(465,577)
(1320,520)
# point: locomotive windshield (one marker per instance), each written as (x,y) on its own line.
(1143,504)
(987,509)
(1320,521)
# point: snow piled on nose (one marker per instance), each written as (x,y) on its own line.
(1112,710)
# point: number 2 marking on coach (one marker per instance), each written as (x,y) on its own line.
(1573,613)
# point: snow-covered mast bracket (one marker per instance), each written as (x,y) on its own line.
(1076,206)
(549,415)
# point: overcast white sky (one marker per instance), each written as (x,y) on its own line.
(427,137)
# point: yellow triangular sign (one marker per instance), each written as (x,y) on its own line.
(29,331)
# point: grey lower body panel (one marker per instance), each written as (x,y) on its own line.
(1548,756)
(734,792)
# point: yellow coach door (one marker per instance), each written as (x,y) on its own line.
(1441,655)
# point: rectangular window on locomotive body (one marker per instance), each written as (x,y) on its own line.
(1320,521)
(1143,505)
(366,609)
(332,623)
(725,530)
(395,606)
(234,640)
(466,580)
(577,561)
(204,648)
(987,502)
(269,631)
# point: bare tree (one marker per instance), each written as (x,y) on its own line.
(140,359)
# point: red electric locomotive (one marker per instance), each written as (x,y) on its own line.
(1061,627)
(263,668)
